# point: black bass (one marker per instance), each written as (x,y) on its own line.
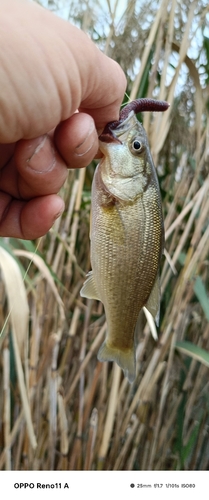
(127,233)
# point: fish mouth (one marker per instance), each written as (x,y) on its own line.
(109,136)
(113,130)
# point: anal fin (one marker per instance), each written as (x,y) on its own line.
(151,323)
(153,302)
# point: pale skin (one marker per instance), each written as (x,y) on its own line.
(48,70)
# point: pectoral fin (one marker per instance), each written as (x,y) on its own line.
(153,303)
(89,289)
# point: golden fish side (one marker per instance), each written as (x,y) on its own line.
(131,234)
(126,244)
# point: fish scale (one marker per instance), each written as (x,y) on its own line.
(126,238)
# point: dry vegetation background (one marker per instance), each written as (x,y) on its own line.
(59,407)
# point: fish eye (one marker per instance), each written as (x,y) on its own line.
(136,146)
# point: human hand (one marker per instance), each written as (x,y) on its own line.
(48,70)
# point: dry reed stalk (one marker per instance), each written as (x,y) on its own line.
(53,242)
(197,258)
(117,442)
(112,13)
(185,210)
(199,445)
(170,263)
(201,374)
(164,393)
(23,392)
(59,254)
(91,439)
(41,448)
(64,432)
(12,436)
(86,360)
(79,435)
(159,45)
(160,131)
(73,296)
(18,305)
(142,389)
(53,390)
(82,381)
(7,406)
(34,347)
(39,262)
(188,383)
(75,462)
(135,447)
(21,449)
(147,397)
(75,224)
(199,165)
(91,394)
(125,395)
(167,49)
(46,358)
(110,416)
(103,392)
(124,450)
(166,428)
(187,229)
(203,220)
(149,44)
(71,335)
(145,457)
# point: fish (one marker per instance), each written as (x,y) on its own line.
(127,233)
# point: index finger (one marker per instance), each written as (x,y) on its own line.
(105,92)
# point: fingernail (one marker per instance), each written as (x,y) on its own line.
(42,161)
(85,146)
(60,209)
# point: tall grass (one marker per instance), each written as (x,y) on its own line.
(59,407)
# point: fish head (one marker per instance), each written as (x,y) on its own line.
(127,164)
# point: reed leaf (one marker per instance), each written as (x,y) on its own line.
(17,298)
(194,351)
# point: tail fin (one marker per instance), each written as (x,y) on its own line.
(125,359)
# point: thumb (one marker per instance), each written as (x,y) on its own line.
(77,140)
